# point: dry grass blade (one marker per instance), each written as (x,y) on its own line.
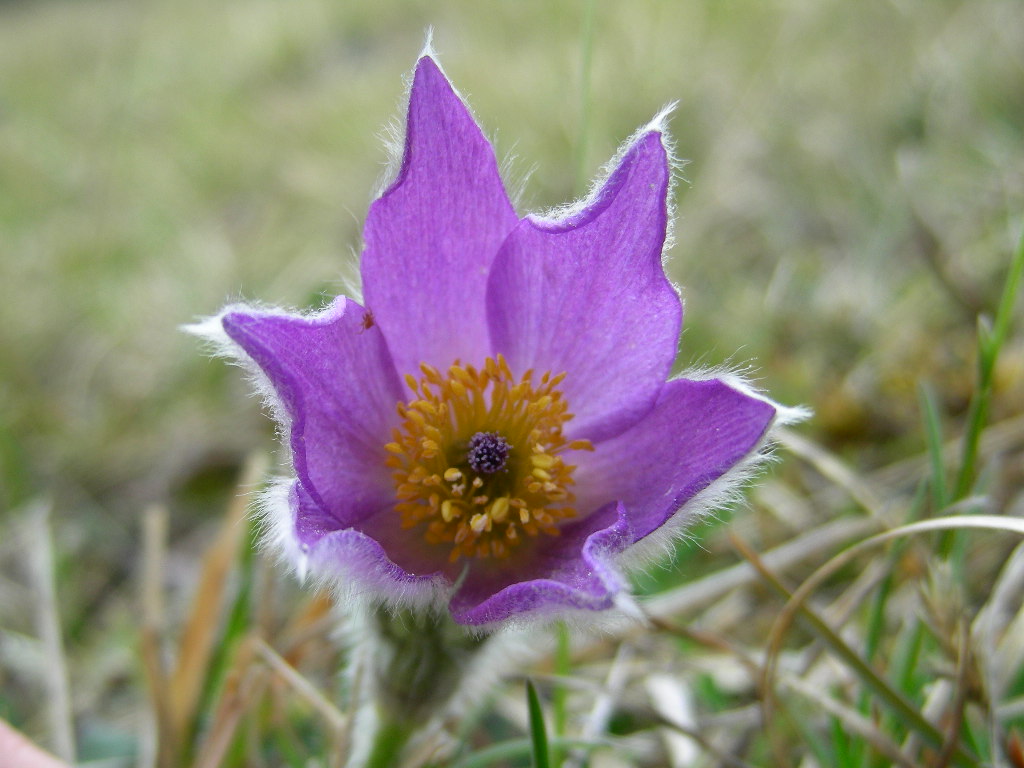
(47,615)
(851,658)
(800,595)
(723,758)
(604,701)
(831,467)
(956,711)
(242,687)
(312,620)
(154,539)
(710,588)
(714,641)
(335,719)
(204,620)
(851,719)
(796,600)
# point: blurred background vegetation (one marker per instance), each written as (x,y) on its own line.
(852,192)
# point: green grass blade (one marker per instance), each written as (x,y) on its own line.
(515,749)
(538,733)
(1001,326)
(933,438)
(990,341)
(563,669)
(891,697)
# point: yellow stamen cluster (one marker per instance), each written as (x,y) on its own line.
(482,514)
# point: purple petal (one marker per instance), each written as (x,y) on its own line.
(696,432)
(354,559)
(404,549)
(431,238)
(572,571)
(588,295)
(339,388)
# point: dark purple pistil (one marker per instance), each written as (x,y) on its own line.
(488,452)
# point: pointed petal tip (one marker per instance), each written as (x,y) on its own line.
(641,166)
(429,74)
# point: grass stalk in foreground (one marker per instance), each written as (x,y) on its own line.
(990,342)
(538,732)
(885,692)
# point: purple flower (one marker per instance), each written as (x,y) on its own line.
(493,426)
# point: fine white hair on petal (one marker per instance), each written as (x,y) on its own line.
(349,277)
(276,525)
(734,377)
(345,580)
(514,176)
(393,133)
(219,344)
(428,44)
(723,492)
(658,123)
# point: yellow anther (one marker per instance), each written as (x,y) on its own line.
(431,373)
(462,375)
(499,509)
(542,460)
(472,512)
(448,511)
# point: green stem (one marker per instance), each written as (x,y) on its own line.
(419,659)
(388,743)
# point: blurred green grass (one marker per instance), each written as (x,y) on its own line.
(853,185)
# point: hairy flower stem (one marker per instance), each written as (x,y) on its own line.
(389,742)
(418,664)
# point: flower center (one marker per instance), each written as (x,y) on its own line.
(478,458)
(488,452)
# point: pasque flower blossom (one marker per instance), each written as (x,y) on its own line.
(493,427)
